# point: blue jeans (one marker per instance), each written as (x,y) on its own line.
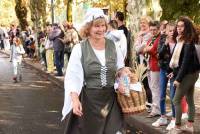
(59,61)
(163,87)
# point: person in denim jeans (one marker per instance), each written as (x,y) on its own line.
(165,48)
(56,35)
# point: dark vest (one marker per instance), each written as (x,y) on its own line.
(95,74)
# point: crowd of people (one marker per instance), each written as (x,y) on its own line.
(100,50)
(52,45)
(168,51)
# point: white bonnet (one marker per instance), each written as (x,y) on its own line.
(93,13)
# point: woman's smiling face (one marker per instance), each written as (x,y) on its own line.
(98,29)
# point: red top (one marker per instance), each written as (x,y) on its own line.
(153,61)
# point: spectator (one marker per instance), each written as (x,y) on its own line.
(2,37)
(119,17)
(140,42)
(151,54)
(185,65)
(49,51)
(165,49)
(117,36)
(58,46)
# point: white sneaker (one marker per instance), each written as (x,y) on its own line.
(171,125)
(184,116)
(162,121)
(169,114)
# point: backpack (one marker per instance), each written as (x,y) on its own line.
(198,52)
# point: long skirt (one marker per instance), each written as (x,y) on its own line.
(101,113)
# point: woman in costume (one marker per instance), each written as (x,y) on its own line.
(90,105)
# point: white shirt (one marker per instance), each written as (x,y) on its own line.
(74,76)
(119,38)
(17,53)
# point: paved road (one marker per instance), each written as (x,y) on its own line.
(32,106)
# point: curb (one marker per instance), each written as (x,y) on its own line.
(142,124)
(133,122)
(55,80)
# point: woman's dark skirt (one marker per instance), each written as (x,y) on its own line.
(101,113)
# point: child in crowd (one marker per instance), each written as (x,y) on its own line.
(18,51)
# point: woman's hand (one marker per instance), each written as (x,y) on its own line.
(121,88)
(176,83)
(147,49)
(76,104)
(171,75)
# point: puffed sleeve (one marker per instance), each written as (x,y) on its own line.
(74,78)
(74,73)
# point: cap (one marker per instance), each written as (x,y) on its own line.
(93,13)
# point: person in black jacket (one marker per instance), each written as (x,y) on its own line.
(119,17)
(165,49)
(185,65)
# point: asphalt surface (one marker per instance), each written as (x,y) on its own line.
(32,106)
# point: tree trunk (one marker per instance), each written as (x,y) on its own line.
(137,8)
(35,17)
(52,12)
(21,13)
(157,10)
(69,10)
(134,9)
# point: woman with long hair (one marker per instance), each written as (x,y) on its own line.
(185,65)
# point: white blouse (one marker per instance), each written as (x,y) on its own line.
(74,76)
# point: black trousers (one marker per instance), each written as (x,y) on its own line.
(1,44)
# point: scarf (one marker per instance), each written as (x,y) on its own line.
(176,55)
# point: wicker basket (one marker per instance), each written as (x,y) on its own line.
(136,102)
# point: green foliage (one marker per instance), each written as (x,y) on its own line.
(21,13)
(7,13)
(172,9)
